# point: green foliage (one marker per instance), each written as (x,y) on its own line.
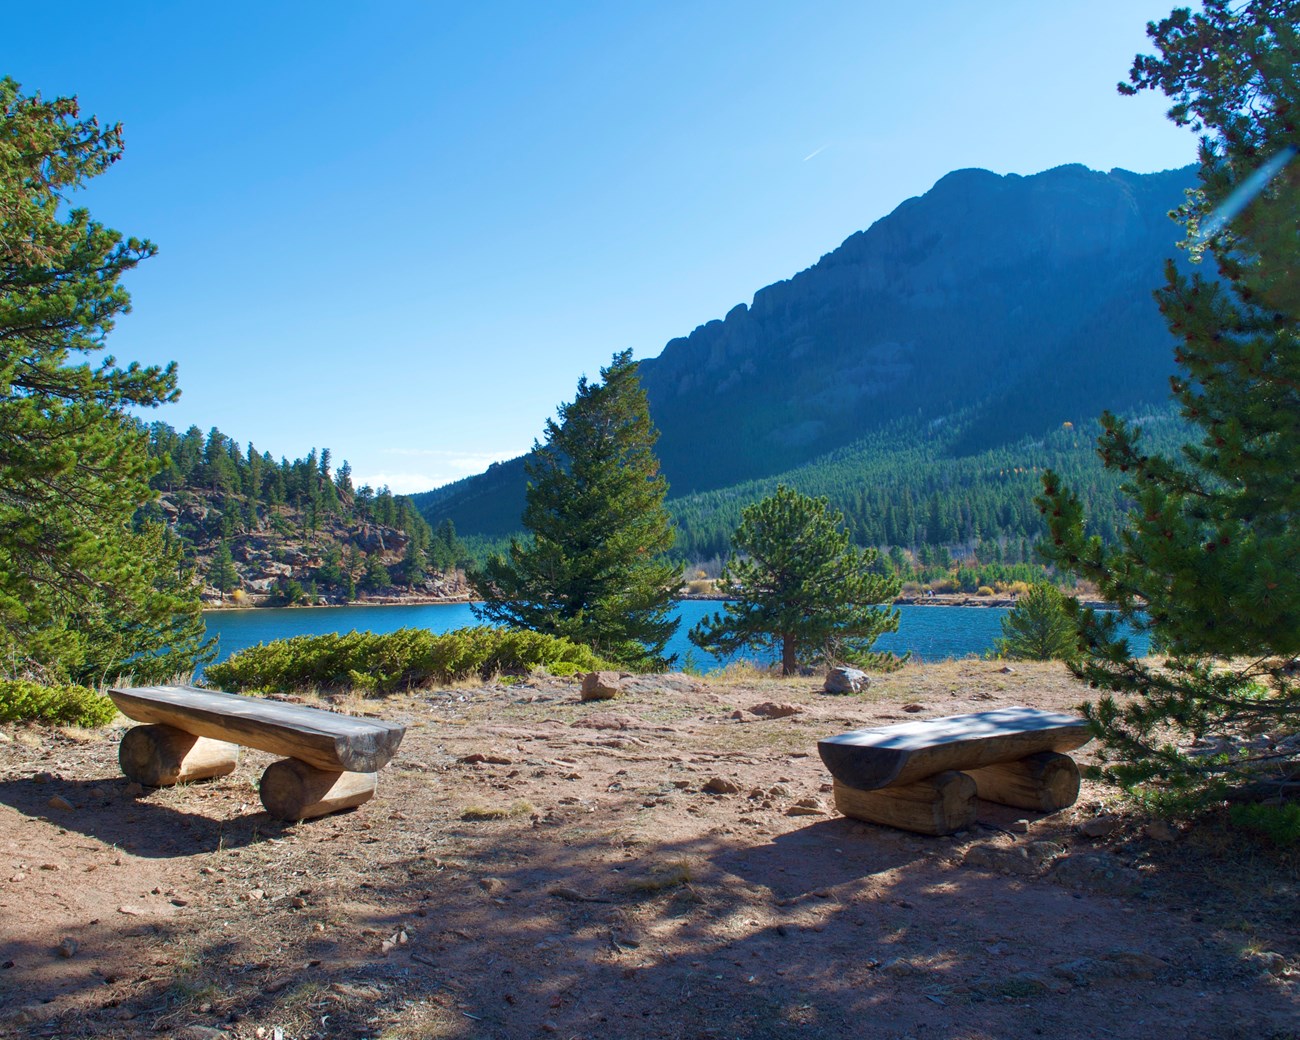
(24,701)
(414,563)
(406,659)
(1038,628)
(243,493)
(800,586)
(1207,563)
(593,569)
(221,571)
(1279,823)
(909,485)
(81,594)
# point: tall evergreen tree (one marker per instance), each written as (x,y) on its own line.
(222,575)
(593,569)
(795,584)
(414,564)
(1207,564)
(78,586)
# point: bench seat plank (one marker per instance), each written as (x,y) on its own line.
(323,739)
(884,756)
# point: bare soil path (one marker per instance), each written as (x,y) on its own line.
(536,866)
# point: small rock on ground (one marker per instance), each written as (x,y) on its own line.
(1098,827)
(1030,859)
(846,680)
(773,710)
(601,686)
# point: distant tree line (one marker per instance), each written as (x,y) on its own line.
(903,488)
(245,492)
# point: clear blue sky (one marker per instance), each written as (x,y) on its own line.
(402,231)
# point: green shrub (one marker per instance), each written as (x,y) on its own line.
(1038,629)
(405,659)
(1280,823)
(23,701)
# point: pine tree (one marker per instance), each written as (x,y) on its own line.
(593,569)
(222,575)
(414,565)
(376,577)
(795,583)
(1207,564)
(74,467)
(1038,628)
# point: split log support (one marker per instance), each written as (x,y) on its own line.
(1044,782)
(293,790)
(939,804)
(160,756)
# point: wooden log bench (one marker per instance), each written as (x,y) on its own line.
(193,734)
(926,776)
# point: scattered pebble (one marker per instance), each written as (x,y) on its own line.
(774,710)
(1270,961)
(1098,827)
(1031,859)
(491,759)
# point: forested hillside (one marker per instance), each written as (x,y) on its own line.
(905,488)
(261,531)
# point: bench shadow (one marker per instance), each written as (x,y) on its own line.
(141,825)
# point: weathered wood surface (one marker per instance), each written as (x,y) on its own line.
(321,738)
(868,759)
(1044,782)
(159,756)
(938,804)
(293,790)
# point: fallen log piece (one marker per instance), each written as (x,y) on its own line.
(1044,782)
(293,790)
(890,755)
(939,804)
(159,756)
(324,739)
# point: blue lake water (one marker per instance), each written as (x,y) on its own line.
(930,633)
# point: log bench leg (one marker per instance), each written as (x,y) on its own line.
(939,804)
(159,756)
(1044,782)
(293,790)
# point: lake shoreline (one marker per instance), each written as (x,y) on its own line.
(938,600)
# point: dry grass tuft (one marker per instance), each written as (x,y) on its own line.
(672,874)
(497,812)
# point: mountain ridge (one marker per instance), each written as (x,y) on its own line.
(1020,301)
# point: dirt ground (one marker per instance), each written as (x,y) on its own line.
(537,866)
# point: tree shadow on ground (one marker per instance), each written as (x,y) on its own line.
(144,825)
(830,930)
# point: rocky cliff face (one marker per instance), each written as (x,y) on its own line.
(1026,297)
(282,554)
